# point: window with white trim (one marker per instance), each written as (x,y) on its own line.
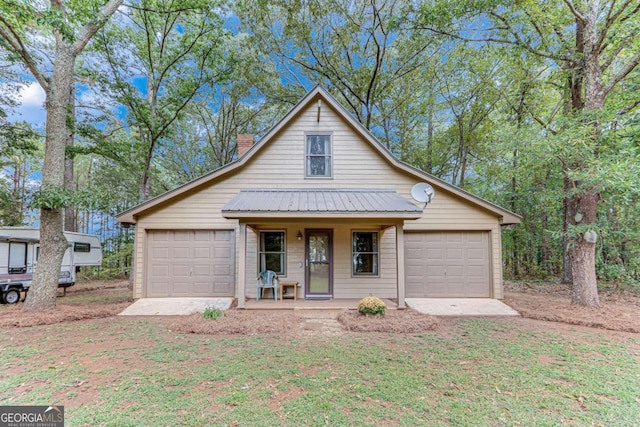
(272,252)
(365,253)
(318,156)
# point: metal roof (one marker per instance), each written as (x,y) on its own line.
(320,201)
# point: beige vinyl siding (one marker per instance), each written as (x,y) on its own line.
(139,262)
(280,164)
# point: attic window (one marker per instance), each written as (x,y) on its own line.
(318,156)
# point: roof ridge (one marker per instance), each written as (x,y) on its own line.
(317,190)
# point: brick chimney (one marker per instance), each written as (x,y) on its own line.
(244,142)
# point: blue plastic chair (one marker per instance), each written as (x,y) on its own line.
(267,279)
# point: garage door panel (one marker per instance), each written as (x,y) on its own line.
(202,287)
(202,253)
(475,255)
(447,264)
(431,238)
(453,237)
(434,253)
(222,253)
(478,238)
(434,271)
(202,270)
(223,236)
(202,236)
(454,254)
(454,272)
(182,236)
(476,272)
(159,236)
(181,252)
(159,270)
(162,286)
(180,270)
(191,263)
(160,253)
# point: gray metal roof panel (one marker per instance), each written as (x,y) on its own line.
(320,200)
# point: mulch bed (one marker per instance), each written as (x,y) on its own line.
(13,316)
(400,321)
(238,322)
(619,308)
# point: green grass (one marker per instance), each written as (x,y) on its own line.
(489,373)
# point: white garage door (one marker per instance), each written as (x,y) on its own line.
(191,263)
(447,265)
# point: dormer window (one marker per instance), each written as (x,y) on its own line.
(318,156)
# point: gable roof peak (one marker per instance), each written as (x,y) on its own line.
(506,217)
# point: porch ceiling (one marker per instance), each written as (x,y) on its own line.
(320,203)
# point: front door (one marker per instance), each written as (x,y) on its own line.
(319,264)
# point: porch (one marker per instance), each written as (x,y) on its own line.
(310,304)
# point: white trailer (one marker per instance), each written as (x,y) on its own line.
(19,252)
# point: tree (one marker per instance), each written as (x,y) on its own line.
(19,157)
(71,27)
(593,48)
(357,49)
(157,60)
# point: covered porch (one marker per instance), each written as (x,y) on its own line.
(337,245)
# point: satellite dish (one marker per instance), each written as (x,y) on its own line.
(423,193)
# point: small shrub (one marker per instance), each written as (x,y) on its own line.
(372,305)
(212,313)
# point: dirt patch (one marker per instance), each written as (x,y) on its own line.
(397,321)
(619,309)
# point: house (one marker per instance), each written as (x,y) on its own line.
(321,202)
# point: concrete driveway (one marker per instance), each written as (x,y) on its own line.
(174,306)
(461,307)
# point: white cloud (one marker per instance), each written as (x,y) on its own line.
(31,95)
(30,99)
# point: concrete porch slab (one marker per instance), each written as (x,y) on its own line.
(174,306)
(461,307)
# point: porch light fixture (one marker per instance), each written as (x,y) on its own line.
(299,235)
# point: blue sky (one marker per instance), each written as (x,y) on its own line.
(31,108)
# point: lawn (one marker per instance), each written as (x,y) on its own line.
(477,372)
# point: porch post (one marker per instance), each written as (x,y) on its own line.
(400,261)
(242,257)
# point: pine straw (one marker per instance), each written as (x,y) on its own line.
(399,322)
(254,322)
(238,322)
(15,317)
(551,308)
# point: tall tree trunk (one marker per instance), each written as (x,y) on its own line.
(583,252)
(43,292)
(513,207)
(70,222)
(568,213)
